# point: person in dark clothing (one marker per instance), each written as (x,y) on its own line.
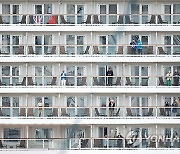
(133,46)
(109,74)
(119,141)
(176,78)
(167,108)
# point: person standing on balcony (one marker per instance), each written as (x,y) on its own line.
(176,78)
(109,74)
(133,46)
(167,108)
(63,78)
(174,107)
(139,47)
(119,141)
(111,107)
(169,78)
(40,106)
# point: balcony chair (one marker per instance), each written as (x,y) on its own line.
(117,114)
(97,143)
(120,20)
(53,51)
(53,82)
(99,114)
(144,81)
(95,81)
(161,51)
(84,143)
(30,81)
(152,20)
(150,50)
(30,112)
(54,113)
(23,83)
(118,81)
(83,81)
(62,50)
(63,112)
(150,112)
(160,21)
(152,144)
(22,144)
(129,50)
(102,81)
(88,20)
(31,21)
(21,50)
(2,83)
(31,50)
(86,112)
(128,21)
(96,19)
(22,112)
(23,20)
(63,21)
(128,81)
(129,112)
(1,113)
(120,50)
(86,51)
(1,20)
(162,112)
(95,50)
(161,144)
(161,81)
(2,145)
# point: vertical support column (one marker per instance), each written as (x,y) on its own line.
(124,106)
(156,48)
(59,37)
(91,43)
(91,76)
(91,138)
(156,106)
(124,134)
(91,109)
(156,137)
(26,74)
(26,109)
(26,42)
(27,136)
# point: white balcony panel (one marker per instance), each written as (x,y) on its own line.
(89,90)
(103,121)
(140,151)
(94,28)
(87,59)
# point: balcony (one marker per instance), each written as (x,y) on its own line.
(90,112)
(89,19)
(88,50)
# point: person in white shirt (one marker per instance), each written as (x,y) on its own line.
(40,105)
(63,78)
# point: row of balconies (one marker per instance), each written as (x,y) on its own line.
(91,112)
(92,143)
(102,81)
(90,19)
(89,50)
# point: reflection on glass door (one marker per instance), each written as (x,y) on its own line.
(75,13)
(12,104)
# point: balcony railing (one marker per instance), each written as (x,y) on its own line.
(88,81)
(89,50)
(90,112)
(89,143)
(90,19)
